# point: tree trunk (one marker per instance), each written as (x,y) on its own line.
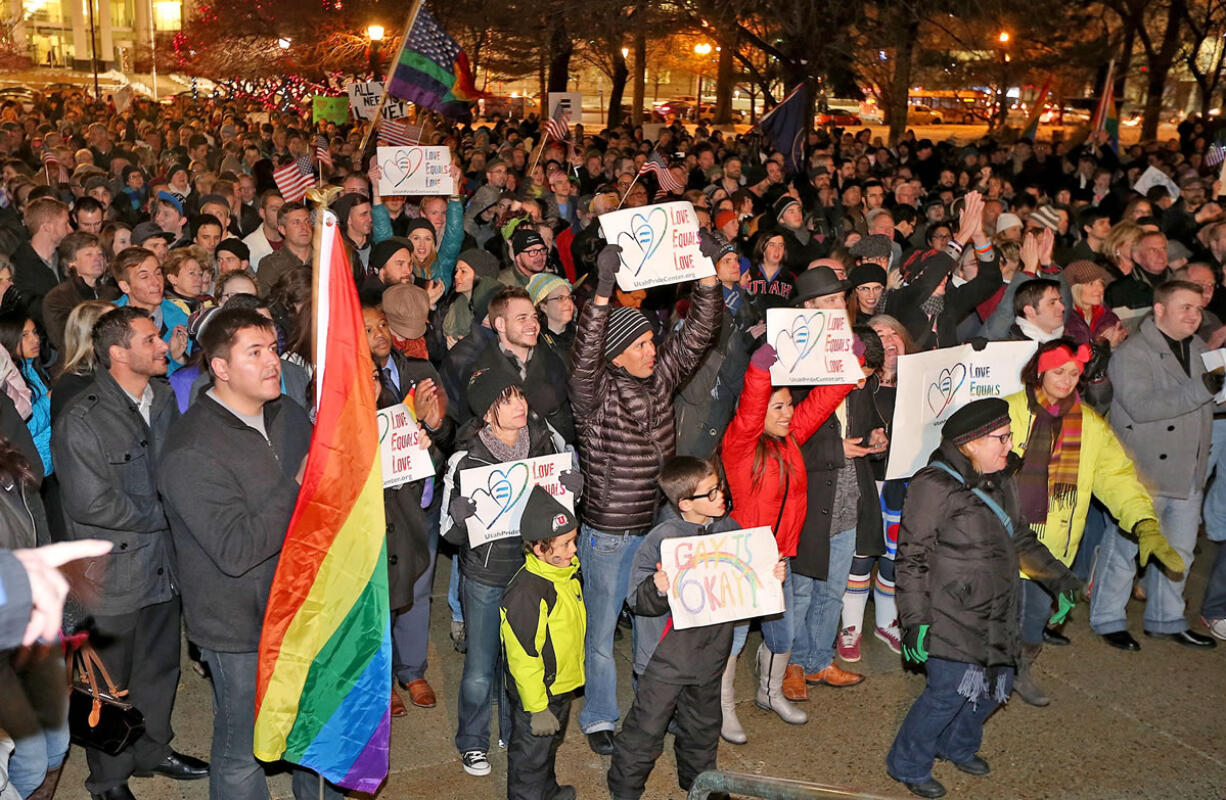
(724,81)
(640,74)
(618,89)
(1159,68)
(560,49)
(900,82)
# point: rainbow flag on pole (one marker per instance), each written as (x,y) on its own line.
(1032,125)
(324,687)
(1106,117)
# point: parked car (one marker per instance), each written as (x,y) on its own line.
(841,117)
(920,114)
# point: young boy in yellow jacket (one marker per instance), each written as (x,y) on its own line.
(543,627)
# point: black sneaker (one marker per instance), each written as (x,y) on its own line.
(475,763)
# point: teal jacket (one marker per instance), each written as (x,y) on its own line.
(173,314)
(448,250)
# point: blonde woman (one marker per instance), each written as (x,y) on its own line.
(78,369)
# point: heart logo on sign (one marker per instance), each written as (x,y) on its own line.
(505,488)
(794,343)
(385,426)
(941,393)
(644,238)
(402,166)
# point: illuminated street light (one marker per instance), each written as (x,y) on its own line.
(625,52)
(1004,37)
(702,48)
(283,43)
(375,32)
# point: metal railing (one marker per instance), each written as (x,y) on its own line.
(743,784)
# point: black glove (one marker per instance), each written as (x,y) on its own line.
(607,264)
(977,342)
(1213,381)
(1096,368)
(708,244)
(572,481)
(461,509)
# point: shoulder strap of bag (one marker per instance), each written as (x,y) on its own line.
(787,480)
(982,495)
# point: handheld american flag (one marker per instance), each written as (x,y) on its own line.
(293,180)
(322,154)
(398,133)
(558,125)
(664,176)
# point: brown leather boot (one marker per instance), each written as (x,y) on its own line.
(794,687)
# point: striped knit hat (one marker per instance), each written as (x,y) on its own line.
(625,325)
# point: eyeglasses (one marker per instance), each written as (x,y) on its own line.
(711,495)
(534,251)
(563,299)
(1003,438)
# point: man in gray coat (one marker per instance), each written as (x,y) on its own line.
(1163,413)
(105,446)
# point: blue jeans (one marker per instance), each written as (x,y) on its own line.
(34,713)
(1214,605)
(1097,520)
(453,591)
(482,682)
(1033,610)
(1164,605)
(411,630)
(740,633)
(1215,497)
(605,559)
(234,773)
(819,606)
(941,724)
(779,631)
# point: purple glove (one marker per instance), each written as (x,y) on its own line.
(764,357)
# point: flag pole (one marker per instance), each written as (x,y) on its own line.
(540,152)
(387,81)
(628,188)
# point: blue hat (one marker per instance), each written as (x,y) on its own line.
(170,198)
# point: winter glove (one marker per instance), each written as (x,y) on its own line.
(764,357)
(977,343)
(1151,542)
(709,245)
(572,481)
(461,509)
(913,649)
(607,264)
(544,723)
(1064,604)
(1213,382)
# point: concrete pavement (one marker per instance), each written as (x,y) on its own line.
(1121,725)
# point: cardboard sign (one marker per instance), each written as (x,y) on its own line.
(659,245)
(329,109)
(1155,177)
(418,169)
(933,385)
(364,100)
(501,491)
(814,347)
(571,101)
(721,577)
(399,447)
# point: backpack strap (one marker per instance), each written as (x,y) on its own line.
(982,495)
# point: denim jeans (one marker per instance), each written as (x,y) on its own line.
(34,713)
(411,630)
(1097,520)
(941,724)
(779,631)
(453,591)
(740,633)
(1214,605)
(605,560)
(483,672)
(1164,605)
(234,773)
(1033,610)
(819,606)
(1215,496)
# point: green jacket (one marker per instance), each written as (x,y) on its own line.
(1106,472)
(543,626)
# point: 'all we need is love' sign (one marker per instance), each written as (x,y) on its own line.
(501,491)
(415,170)
(659,245)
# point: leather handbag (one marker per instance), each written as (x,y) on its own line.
(98,716)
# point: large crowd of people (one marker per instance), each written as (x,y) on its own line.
(157,389)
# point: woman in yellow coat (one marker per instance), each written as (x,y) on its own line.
(1069,453)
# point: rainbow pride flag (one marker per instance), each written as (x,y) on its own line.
(324,687)
(432,70)
(1036,112)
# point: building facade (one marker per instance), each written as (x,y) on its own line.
(58,32)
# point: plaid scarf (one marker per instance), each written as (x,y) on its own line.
(1053,455)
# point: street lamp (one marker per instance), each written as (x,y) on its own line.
(701,49)
(375,32)
(1004,37)
(1002,109)
(283,43)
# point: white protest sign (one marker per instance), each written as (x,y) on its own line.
(399,447)
(571,101)
(659,245)
(501,491)
(1155,177)
(721,577)
(814,347)
(415,169)
(1215,361)
(935,384)
(364,100)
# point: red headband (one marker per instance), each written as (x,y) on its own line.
(1058,356)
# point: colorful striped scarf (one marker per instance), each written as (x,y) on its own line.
(1053,455)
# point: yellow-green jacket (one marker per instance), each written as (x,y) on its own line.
(1106,472)
(543,625)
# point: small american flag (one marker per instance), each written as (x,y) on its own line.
(398,133)
(293,180)
(61,172)
(558,125)
(668,184)
(322,154)
(1215,154)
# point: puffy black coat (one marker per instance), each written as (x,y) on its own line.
(626,426)
(957,566)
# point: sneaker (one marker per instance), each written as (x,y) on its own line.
(849,645)
(1217,627)
(890,637)
(475,763)
(459,639)
(502,744)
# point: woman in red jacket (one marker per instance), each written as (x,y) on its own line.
(767,480)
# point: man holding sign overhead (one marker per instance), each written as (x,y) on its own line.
(621,390)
